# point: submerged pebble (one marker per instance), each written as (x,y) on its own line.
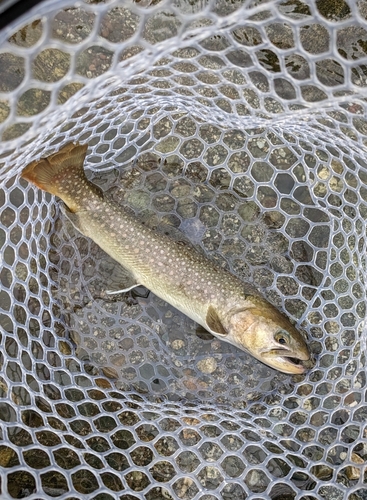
(207,365)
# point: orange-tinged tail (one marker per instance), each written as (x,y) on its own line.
(60,173)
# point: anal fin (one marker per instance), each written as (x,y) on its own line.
(122,290)
(121,281)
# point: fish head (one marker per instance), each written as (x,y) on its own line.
(270,337)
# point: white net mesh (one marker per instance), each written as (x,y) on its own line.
(242,123)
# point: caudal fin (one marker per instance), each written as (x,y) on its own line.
(59,173)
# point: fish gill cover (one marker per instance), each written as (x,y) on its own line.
(243,125)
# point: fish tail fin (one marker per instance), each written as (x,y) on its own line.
(60,173)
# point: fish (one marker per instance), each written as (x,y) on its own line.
(227,307)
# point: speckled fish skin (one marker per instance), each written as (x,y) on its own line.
(223,304)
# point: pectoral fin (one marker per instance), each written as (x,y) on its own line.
(214,323)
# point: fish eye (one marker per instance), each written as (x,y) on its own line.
(281,337)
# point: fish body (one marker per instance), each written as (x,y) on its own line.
(216,299)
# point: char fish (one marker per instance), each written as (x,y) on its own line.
(227,307)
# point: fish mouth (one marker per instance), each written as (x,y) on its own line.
(285,353)
(294,361)
(288,362)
